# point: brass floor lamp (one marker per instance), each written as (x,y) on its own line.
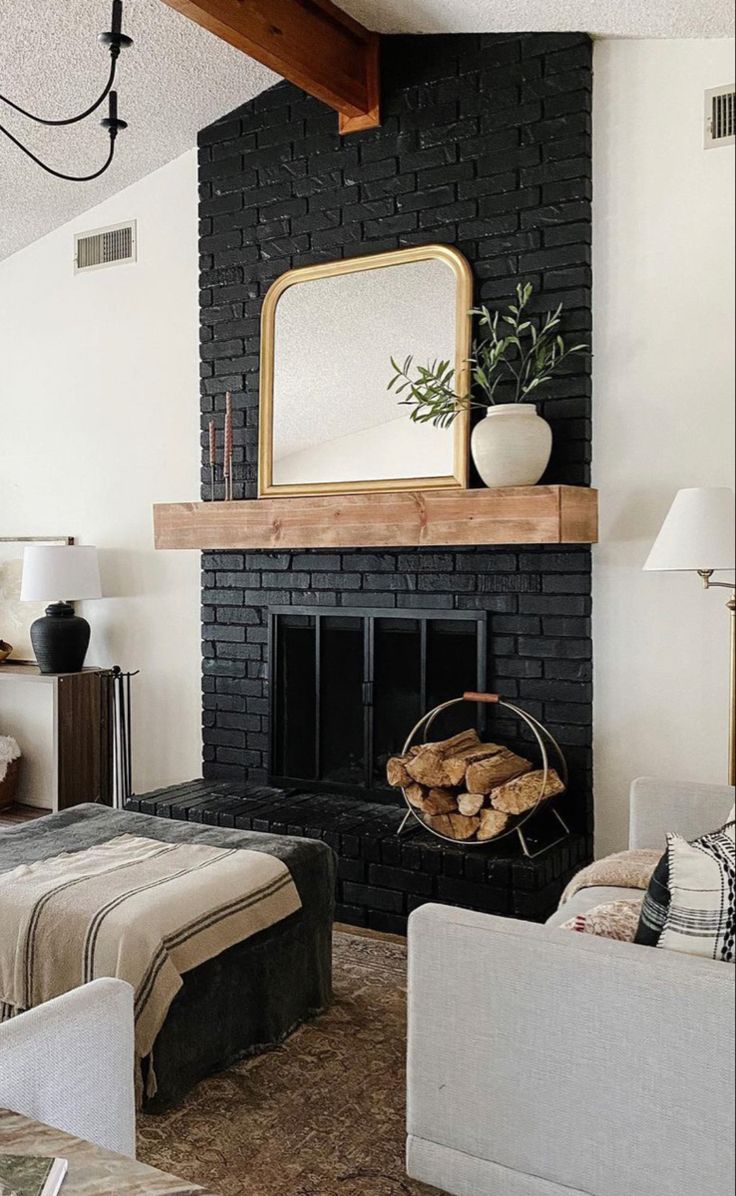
(698,536)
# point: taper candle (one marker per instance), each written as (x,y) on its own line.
(229,445)
(213,459)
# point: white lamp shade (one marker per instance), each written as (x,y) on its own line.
(698,534)
(60,573)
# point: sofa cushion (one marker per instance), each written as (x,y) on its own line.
(588,899)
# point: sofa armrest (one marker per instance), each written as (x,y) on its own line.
(658,807)
(70,1064)
(599,1066)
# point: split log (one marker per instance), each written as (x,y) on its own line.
(457,764)
(495,770)
(415,795)
(440,801)
(478,751)
(431,801)
(454,826)
(457,743)
(471,804)
(492,824)
(436,771)
(523,793)
(438,765)
(396,773)
(428,768)
(454,769)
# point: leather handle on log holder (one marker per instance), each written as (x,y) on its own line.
(490,699)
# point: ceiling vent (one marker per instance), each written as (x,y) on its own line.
(720,116)
(105,247)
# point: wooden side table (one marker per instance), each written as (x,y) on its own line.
(60,722)
(92,1171)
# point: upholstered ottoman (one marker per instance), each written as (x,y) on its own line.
(251,996)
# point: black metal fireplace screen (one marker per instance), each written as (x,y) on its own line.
(347,687)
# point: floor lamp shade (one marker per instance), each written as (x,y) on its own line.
(698,534)
(60,574)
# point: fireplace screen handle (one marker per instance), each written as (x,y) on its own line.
(490,699)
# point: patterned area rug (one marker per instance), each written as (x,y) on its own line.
(321,1116)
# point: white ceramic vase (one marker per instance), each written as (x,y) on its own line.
(512,445)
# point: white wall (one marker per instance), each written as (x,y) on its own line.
(663,410)
(99,419)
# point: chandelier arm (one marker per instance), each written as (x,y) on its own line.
(72,120)
(71,178)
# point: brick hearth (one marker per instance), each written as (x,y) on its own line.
(381,877)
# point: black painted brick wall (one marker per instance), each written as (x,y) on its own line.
(485,145)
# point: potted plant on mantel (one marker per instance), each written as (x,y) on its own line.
(514,356)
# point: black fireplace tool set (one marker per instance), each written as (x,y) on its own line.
(120,736)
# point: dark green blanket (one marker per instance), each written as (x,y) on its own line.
(250,997)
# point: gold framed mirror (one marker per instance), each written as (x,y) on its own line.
(328,423)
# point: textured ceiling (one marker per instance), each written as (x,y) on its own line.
(178,78)
(604,18)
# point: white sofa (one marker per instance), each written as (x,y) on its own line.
(548,1063)
(70,1064)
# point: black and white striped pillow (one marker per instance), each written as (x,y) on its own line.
(656,905)
(691,902)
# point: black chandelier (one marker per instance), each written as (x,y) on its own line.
(116,41)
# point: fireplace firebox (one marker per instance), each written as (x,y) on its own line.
(346,689)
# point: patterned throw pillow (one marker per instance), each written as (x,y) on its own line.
(656,906)
(691,902)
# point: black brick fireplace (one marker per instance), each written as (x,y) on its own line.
(485,145)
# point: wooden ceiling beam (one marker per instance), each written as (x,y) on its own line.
(313,43)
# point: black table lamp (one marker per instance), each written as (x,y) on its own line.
(60,574)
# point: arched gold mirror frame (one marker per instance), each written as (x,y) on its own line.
(460,429)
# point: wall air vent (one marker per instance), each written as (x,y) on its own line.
(105,247)
(720,116)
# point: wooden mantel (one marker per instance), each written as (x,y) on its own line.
(517,515)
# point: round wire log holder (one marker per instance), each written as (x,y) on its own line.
(543,738)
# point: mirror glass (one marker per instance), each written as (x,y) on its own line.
(329,423)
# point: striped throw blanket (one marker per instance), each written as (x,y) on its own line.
(134,908)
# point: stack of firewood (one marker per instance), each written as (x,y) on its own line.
(464,789)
